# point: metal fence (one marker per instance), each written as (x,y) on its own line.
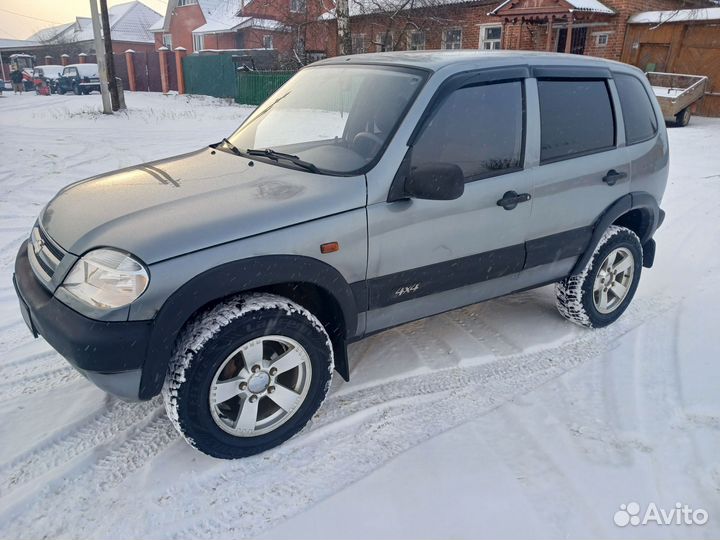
(210,75)
(253,87)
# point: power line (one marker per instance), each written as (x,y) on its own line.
(29,16)
(13,36)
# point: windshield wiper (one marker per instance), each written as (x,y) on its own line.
(272,154)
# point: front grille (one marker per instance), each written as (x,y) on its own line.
(45,255)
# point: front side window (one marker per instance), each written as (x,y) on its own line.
(452,38)
(416,41)
(70,72)
(478,128)
(641,123)
(576,118)
(490,37)
(339,118)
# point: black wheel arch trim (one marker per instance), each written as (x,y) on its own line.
(632,201)
(234,278)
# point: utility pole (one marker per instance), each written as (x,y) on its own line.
(109,62)
(342,16)
(100,53)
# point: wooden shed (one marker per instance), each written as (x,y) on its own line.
(681,41)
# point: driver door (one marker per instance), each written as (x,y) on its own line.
(429,256)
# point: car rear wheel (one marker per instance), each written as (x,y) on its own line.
(247,375)
(603,290)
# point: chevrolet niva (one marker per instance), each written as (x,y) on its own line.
(367,192)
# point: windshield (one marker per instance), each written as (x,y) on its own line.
(336,118)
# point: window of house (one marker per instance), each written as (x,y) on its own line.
(358,44)
(198,42)
(167,41)
(576,118)
(452,38)
(384,41)
(416,40)
(298,6)
(267,41)
(490,37)
(182,3)
(601,40)
(641,123)
(478,128)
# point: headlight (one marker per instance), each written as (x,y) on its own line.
(106,278)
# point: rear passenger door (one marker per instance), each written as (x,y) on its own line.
(582,165)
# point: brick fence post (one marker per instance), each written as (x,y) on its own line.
(164,75)
(82,57)
(129,60)
(48,59)
(180,53)
(64,59)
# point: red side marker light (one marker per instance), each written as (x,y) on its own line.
(330,247)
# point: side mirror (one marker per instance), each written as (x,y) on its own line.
(435,181)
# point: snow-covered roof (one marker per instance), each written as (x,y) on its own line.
(130,21)
(52,71)
(238,23)
(220,15)
(17,43)
(366,7)
(578,5)
(679,15)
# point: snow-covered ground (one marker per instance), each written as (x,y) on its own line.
(497,420)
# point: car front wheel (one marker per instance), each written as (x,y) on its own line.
(603,290)
(247,375)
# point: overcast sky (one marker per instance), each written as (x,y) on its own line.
(21,18)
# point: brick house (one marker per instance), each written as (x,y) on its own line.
(130,24)
(288,26)
(596,28)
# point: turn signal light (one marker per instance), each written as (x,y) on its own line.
(330,247)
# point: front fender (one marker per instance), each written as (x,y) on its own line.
(233,278)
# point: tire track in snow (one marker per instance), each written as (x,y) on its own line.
(41,382)
(383,423)
(84,436)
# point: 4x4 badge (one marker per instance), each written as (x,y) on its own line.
(408,289)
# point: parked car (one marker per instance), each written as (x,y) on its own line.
(80,79)
(367,192)
(48,75)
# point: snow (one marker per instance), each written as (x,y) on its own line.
(579,5)
(496,420)
(679,15)
(665,91)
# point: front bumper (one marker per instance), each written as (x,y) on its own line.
(110,354)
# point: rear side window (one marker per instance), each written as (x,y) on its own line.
(638,113)
(576,118)
(478,128)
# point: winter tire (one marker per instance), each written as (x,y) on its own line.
(247,375)
(602,291)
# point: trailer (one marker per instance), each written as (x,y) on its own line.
(677,94)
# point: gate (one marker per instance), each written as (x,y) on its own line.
(254,87)
(210,75)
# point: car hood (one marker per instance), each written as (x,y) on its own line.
(191,202)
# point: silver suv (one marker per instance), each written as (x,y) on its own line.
(368,191)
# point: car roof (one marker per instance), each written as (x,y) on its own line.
(436,60)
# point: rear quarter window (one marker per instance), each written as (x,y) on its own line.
(576,118)
(641,123)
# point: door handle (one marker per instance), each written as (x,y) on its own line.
(512,198)
(613,176)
